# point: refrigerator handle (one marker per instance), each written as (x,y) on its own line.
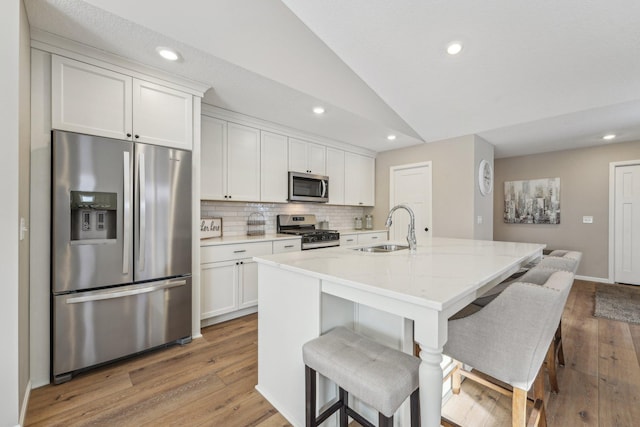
(126,234)
(142,191)
(112,294)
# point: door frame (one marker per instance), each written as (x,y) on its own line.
(392,171)
(612,200)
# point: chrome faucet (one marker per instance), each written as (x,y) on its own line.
(411,232)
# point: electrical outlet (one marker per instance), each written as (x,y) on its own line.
(587,220)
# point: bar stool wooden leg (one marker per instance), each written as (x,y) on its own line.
(558,344)
(550,362)
(519,408)
(456,378)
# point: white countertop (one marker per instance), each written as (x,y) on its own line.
(226,240)
(440,273)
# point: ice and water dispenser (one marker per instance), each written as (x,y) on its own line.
(93,215)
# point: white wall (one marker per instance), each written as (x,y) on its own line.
(483,205)
(9,161)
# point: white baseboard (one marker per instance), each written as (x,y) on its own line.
(229,316)
(25,403)
(594,279)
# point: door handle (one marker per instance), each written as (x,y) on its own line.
(324,188)
(143,210)
(121,294)
(126,195)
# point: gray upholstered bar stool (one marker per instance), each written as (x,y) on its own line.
(380,376)
(508,339)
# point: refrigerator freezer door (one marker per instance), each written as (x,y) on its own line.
(99,326)
(92,205)
(162,244)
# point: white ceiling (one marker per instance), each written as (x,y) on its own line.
(532,77)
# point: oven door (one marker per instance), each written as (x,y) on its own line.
(304,187)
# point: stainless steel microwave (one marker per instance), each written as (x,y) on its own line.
(306,187)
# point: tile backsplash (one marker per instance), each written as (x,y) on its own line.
(235,214)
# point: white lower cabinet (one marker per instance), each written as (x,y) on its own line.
(218,284)
(229,277)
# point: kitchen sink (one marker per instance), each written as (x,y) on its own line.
(382,248)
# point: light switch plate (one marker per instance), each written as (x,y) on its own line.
(587,220)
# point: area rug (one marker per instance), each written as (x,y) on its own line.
(618,302)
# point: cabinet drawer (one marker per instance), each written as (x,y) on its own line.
(348,239)
(234,251)
(365,238)
(291,245)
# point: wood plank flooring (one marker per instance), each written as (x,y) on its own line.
(210,382)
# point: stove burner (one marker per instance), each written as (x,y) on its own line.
(304,225)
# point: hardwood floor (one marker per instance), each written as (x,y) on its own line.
(210,382)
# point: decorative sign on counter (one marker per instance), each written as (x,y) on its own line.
(210,227)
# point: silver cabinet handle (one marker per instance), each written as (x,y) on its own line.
(374,237)
(239,251)
(143,210)
(121,294)
(288,246)
(126,233)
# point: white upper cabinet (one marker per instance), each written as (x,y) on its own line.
(96,101)
(273,167)
(229,161)
(161,115)
(306,157)
(359,184)
(335,172)
(91,100)
(243,162)
(213,159)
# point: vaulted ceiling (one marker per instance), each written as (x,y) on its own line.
(532,76)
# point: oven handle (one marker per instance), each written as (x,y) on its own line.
(111,294)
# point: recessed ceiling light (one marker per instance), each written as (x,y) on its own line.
(168,53)
(391,137)
(454,48)
(609,137)
(318,110)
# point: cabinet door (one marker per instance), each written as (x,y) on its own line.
(335,172)
(359,185)
(218,288)
(273,167)
(298,155)
(243,163)
(316,156)
(89,99)
(162,116)
(213,165)
(248,283)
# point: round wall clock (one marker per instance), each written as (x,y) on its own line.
(485,177)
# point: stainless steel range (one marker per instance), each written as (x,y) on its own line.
(305,226)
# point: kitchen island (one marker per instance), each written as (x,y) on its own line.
(304,294)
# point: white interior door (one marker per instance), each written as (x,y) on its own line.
(627,214)
(411,185)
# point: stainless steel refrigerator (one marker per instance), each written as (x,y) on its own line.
(121,250)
